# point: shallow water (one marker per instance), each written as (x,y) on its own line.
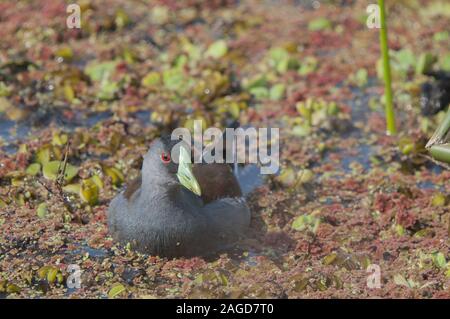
(92,252)
(364,152)
(249,178)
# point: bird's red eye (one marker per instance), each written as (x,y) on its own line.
(165,157)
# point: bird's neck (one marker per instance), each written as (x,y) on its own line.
(158,184)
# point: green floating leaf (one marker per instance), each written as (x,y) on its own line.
(42,210)
(447,273)
(277,92)
(305,109)
(402,62)
(107,90)
(98,71)
(301,130)
(426,232)
(59,139)
(401,281)
(217,49)
(151,80)
(287,177)
(257,81)
(65,53)
(400,230)
(193,51)
(439,260)
(43,155)
(260,93)
(308,65)
(406,145)
(122,19)
(12,289)
(299,223)
(175,80)
(404,59)
(445,62)
(441,36)
(98,181)
(199,280)
(4,92)
(361,77)
(305,176)
(181,61)
(116,290)
(102,73)
(69,93)
(425,63)
(72,188)
(278,54)
(281,60)
(289,64)
(439,200)
(329,259)
(51,274)
(435,9)
(160,15)
(5,105)
(50,170)
(129,55)
(332,108)
(89,191)
(33,169)
(319,24)
(116,175)
(42,272)
(306,222)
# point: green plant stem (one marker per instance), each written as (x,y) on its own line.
(441,152)
(389,107)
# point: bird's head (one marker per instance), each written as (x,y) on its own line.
(170,160)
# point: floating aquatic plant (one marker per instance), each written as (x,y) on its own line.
(139,78)
(116,290)
(306,222)
(50,274)
(89,191)
(217,49)
(320,24)
(51,170)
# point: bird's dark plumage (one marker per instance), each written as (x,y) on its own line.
(435,94)
(156,214)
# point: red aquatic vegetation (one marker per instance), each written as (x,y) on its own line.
(395,205)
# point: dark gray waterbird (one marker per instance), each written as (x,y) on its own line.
(179,209)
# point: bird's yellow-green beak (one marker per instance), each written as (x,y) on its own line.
(185,174)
